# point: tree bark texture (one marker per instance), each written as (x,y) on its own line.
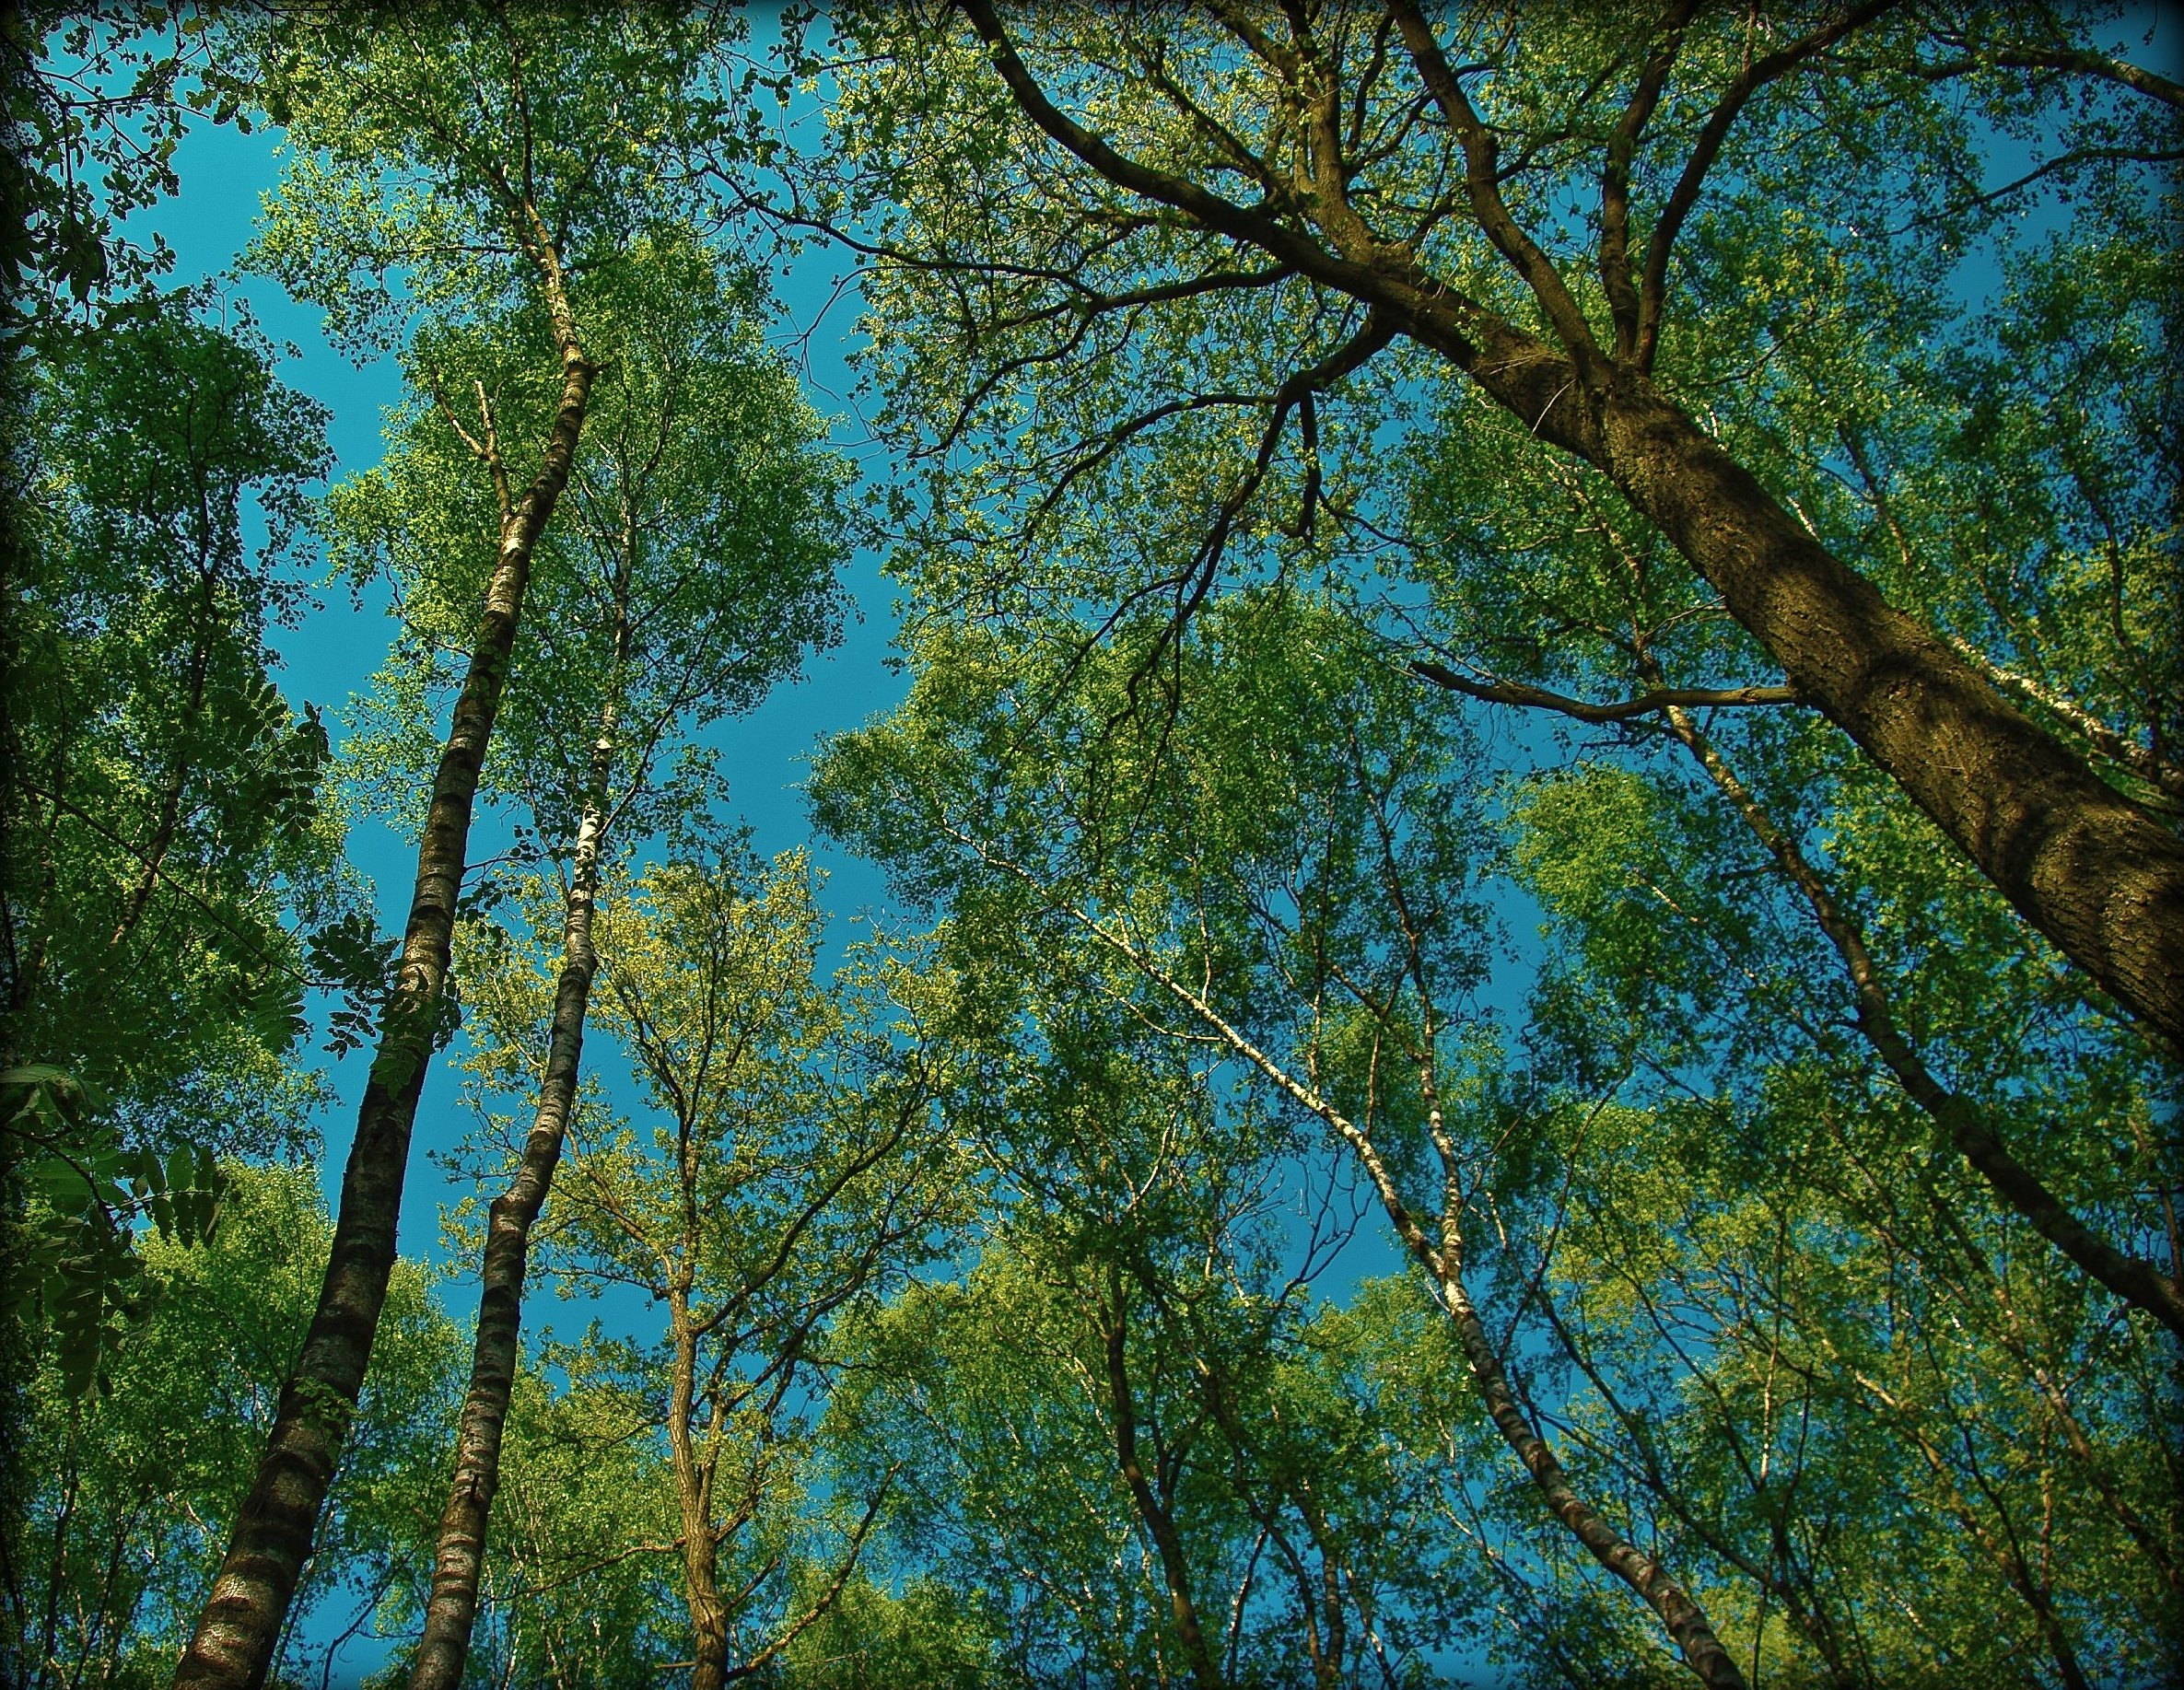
(241,1621)
(458,1552)
(2098,874)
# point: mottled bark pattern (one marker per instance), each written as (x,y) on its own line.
(459,1553)
(693,1497)
(232,1649)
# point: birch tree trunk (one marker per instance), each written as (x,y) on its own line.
(458,1552)
(236,1634)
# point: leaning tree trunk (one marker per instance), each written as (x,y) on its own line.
(458,1552)
(2099,875)
(2096,873)
(241,1621)
(1679,1612)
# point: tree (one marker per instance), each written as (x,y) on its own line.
(453,166)
(171,886)
(1238,252)
(1284,870)
(693,565)
(1126,1451)
(791,1170)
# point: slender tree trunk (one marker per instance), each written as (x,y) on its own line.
(233,1646)
(694,1496)
(458,1552)
(2138,1282)
(1684,1620)
(1167,1539)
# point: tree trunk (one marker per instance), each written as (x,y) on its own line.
(237,1631)
(459,1553)
(1175,1567)
(694,1496)
(2095,872)
(1685,1621)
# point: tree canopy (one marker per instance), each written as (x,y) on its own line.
(1527,1024)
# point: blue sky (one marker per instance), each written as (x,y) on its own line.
(331,655)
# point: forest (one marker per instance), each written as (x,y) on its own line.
(1509,1004)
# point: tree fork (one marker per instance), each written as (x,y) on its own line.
(241,1621)
(2095,873)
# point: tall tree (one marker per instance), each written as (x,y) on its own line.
(1762,1364)
(1203,228)
(693,566)
(1297,898)
(171,883)
(788,1167)
(454,165)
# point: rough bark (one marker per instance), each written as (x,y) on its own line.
(458,1552)
(241,1621)
(2094,871)
(2098,874)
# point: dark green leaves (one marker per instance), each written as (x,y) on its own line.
(90,1193)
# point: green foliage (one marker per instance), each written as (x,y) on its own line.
(1259,702)
(786,1164)
(691,565)
(76,1264)
(94,105)
(130,1488)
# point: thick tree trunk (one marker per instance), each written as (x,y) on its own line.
(459,1553)
(2095,872)
(2098,874)
(232,1649)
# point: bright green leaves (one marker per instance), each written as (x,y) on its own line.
(162,794)
(689,568)
(440,153)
